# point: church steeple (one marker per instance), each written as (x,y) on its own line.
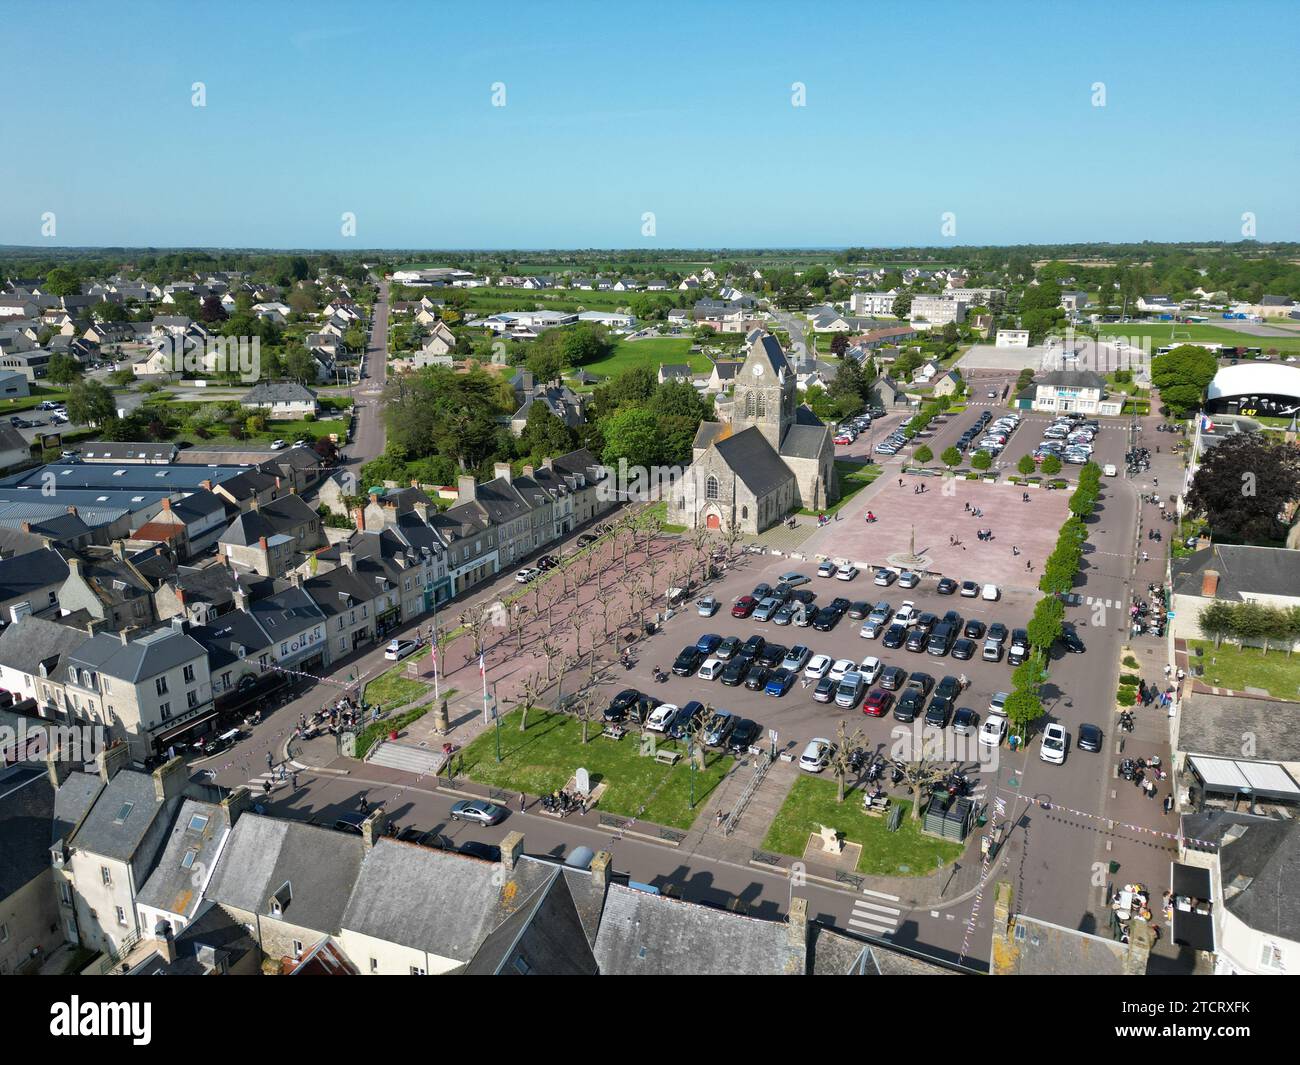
(765,391)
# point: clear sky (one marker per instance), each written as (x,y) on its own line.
(614,110)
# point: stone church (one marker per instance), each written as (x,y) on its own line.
(772,457)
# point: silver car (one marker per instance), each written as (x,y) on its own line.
(484,813)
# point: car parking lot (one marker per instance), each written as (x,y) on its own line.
(800,715)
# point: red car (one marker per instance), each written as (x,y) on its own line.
(877,703)
(744,606)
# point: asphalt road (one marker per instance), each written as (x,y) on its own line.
(369,437)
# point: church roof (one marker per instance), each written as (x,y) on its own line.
(804,441)
(707,433)
(751,458)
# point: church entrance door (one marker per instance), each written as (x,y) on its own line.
(713,522)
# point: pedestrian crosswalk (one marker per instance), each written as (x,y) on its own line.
(873,915)
(1111,604)
(279,777)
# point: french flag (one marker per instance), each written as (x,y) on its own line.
(482,669)
(1207,426)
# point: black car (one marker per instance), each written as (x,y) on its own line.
(803,595)
(825,690)
(753,646)
(859,610)
(965,721)
(963,649)
(1088,738)
(947,586)
(726,650)
(948,688)
(621,703)
(925,621)
(719,728)
(685,720)
(761,591)
(772,655)
(827,618)
(841,604)
(940,641)
(908,705)
(743,735)
(735,671)
(894,636)
(916,640)
(475,849)
(974,629)
(547,562)
(954,619)
(783,592)
(688,661)
(1071,640)
(756,678)
(997,631)
(892,678)
(587,538)
(923,682)
(938,712)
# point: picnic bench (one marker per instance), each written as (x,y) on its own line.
(876,807)
(667,757)
(613,732)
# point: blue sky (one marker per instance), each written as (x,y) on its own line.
(684,110)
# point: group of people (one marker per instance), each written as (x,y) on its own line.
(1148,615)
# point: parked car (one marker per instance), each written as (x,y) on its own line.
(974,629)
(965,721)
(710,669)
(796,658)
(870,669)
(1052,748)
(744,735)
(846,573)
(938,712)
(780,682)
(399,649)
(827,569)
(818,666)
(827,618)
(908,579)
(688,661)
(916,640)
(963,649)
(969,589)
(825,690)
(629,702)
(718,730)
(859,610)
(993,730)
(744,606)
(794,578)
(908,705)
(736,671)
(894,637)
(707,607)
(906,614)
(727,649)
(772,655)
(1070,638)
(877,703)
(817,755)
(766,608)
(662,716)
(1089,738)
(893,677)
(884,577)
(708,643)
(946,586)
(478,811)
(840,667)
(990,593)
(687,719)
(754,646)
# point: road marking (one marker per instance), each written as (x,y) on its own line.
(880,895)
(874,906)
(885,929)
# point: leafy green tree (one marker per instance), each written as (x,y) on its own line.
(1245,484)
(1051,465)
(633,435)
(61,281)
(923,454)
(951,457)
(902,305)
(1181,376)
(90,403)
(1044,627)
(62,369)
(1026,465)
(545,434)
(981,460)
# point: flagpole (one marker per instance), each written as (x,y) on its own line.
(482,669)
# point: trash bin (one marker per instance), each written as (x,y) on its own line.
(1114,868)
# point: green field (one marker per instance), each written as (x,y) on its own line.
(542,759)
(1238,668)
(811,804)
(652,352)
(1183,333)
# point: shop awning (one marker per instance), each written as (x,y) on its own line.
(163,739)
(1193,923)
(1264,780)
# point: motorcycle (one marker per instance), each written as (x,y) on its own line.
(659,675)
(870,519)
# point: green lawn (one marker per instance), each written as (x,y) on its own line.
(1229,666)
(1184,332)
(652,352)
(811,804)
(543,758)
(853,477)
(38,395)
(661,510)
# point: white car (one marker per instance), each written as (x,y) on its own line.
(842,666)
(818,666)
(660,716)
(276,445)
(870,670)
(1053,748)
(817,755)
(399,649)
(526,575)
(908,579)
(990,593)
(906,614)
(998,704)
(711,670)
(993,730)
(827,569)
(846,573)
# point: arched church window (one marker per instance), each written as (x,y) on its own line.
(744,512)
(749,404)
(711,488)
(762,405)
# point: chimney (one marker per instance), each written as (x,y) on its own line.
(359,519)
(512,848)
(600,869)
(179,624)
(465,486)
(27,526)
(167,504)
(502,470)
(347,559)
(373,827)
(797,925)
(261,542)
(163,941)
(74,565)
(241,598)
(422,511)
(58,767)
(123,635)
(1209,583)
(92,624)
(73,511)
(111,759)
(1138,953)
(236,802)
(546,463)
(119,550)
(169,779)
(180,596)
(206,484)
(528,471)
(254,504)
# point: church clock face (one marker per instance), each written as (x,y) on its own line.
(758,371)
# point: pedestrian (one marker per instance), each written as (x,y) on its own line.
(1168,670)
(266,787)
(523,802)
(364,804)
(900,482)
(271,761)
(1181,674)
(295,780)
(1014,550)
(1169,804)
(1029,565)
(719,818)
(968,506)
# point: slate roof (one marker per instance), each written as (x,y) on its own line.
(144,656)
(645,934)
(767,347)
(26,813)
(195,841)
(263,853)
(1045,949)
(804,441)
(105,831)
(1214,725)
(270,392)
(223,639)
(1260,873)
(128,451)
(72,802)
(545,936)
(33,643)
(749,455)
(26,574)
(1242,571)
(214,938)
(1072,379)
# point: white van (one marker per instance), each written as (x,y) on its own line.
(1109,470)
